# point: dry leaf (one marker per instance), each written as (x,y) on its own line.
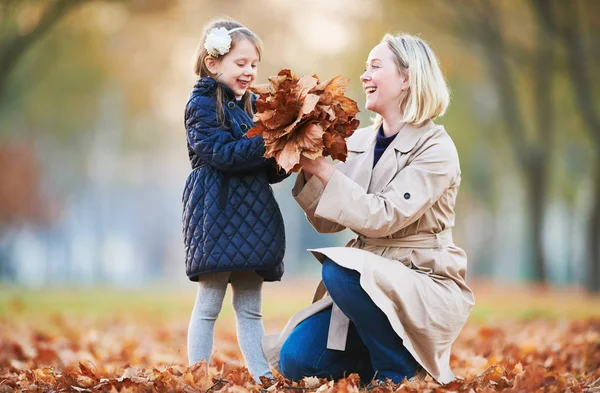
(303,117)
(504,356)
(311,382)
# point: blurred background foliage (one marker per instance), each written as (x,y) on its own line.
(92,144)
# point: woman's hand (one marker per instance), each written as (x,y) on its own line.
(318,167)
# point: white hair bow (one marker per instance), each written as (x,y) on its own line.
(218,41)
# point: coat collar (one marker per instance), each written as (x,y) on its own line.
(361,170)
(208,86)
(409,136)
(404,142)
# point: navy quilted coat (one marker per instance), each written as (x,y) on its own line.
(231,220)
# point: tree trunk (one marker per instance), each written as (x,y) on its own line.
(6,269)
(578,67)
(593,235)
(536,201)
(12,49)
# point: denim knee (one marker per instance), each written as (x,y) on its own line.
(335,277)
(294,361)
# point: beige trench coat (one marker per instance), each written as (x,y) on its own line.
(402,211)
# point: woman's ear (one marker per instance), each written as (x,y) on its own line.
(404,83)
(211,64)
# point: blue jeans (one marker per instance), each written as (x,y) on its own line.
(372,343)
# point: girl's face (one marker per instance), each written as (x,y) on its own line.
(382,81)
(237,69)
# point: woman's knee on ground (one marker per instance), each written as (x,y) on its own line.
(295,361)
(301,352)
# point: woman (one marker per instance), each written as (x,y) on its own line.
(397,294)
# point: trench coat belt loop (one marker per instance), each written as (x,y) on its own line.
(427,240)
(424,240)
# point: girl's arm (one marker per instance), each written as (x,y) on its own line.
(274,174)
(215,145)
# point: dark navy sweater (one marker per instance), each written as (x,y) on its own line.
(381,144)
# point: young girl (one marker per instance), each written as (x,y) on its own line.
(233,229)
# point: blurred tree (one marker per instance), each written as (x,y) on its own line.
(519,71)
(20,194)
(577,23)
(22,24)
(56,68)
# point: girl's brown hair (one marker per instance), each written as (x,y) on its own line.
(202,71)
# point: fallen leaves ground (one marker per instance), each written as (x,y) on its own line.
(517,341)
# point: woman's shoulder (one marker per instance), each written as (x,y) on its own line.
(436,134)
(436,142)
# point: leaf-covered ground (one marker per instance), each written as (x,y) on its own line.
(518,340)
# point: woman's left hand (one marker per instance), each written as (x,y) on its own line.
(318,167)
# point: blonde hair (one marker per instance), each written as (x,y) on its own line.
(427,96)
(201,70)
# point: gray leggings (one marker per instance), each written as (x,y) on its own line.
(247,302)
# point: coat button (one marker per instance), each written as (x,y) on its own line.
(244,127)
(231,104)
(407,196)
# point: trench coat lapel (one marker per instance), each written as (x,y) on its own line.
(395,157)
(360,166)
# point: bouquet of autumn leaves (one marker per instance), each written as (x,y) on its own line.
(303,117)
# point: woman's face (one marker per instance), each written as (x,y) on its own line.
(382,81)
(237,69)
